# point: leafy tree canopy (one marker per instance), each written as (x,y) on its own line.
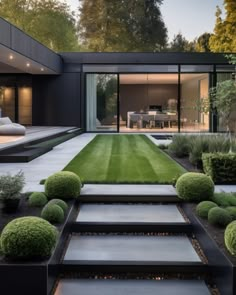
(224,37)
(48,21)
(181,44)
(134,25)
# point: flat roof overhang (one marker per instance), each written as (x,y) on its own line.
(167,58)
(19,53)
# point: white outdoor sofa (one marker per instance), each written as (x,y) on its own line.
(7,127)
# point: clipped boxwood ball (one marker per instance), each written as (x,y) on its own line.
(230,237)
(53,213)
(60,203)
(232,211)
(63,185)
(203,208)
(219,216)
(194,186)
(28,237)
(37,199)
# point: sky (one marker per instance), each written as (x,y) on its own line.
(190,17)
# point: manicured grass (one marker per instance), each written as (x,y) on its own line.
(124,159)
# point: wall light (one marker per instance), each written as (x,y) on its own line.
(28,64)
(42,69)
(11,56)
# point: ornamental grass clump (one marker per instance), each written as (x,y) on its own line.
(203,208)
(53,213)
(230,238)
(194,187)
(219,216)
(63,185)
(37,199)
(28,238)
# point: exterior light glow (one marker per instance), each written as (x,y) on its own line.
(28,64)
(42,69)
(11,56)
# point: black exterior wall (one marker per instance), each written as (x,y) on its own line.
(56,100)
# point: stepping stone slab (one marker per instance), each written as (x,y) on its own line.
(128,190)
(130,214)
(131,287)
(150,250)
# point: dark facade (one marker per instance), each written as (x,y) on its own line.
(59,82)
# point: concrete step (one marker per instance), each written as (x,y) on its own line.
(131,217)
(131,287)
(128,193)
(127,252)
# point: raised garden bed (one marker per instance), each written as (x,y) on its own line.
(211,239)
(33,277)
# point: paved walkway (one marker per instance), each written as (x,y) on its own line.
(49,163)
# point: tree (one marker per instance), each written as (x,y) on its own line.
(223,39)
(134,25)
(48,21)
(202,43)
(181,44)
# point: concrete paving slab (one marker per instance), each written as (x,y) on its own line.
(131,287)
(140,213)
(151,250)
(227,188)
(128,189)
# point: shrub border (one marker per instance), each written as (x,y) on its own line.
(32,277)
(222,269)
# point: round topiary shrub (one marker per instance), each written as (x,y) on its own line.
(203,208)
(60,203)
(53,213)
(232,211)
(28,238)
(219,216)
(37,199)
(63,185)
(230,237)
(194,186)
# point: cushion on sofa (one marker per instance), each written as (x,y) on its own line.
(5,120)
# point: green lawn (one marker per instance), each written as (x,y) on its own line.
(124,159)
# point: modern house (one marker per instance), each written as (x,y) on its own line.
(118,92)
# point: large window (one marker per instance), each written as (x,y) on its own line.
(16,99)
(101,102)
(194,114)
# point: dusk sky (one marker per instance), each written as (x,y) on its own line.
(190,17)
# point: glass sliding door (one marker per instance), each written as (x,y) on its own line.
(194,113)
(101,102)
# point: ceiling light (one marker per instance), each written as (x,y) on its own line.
(28,64)
(11,56)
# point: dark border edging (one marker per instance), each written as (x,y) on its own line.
(222,269)
(36,278)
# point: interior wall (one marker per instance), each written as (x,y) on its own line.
(8,103)
(136,97)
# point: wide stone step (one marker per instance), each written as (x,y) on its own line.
(131,217)
(128,193)
(131,287)
(131,252)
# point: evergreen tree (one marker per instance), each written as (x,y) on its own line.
(202,43)
(125,25)
(48,21)
(224,37)
(181,44)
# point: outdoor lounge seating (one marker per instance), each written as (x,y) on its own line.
(7,127)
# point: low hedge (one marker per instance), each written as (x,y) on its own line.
(53,213)
(219,216)
(204,207)
(220,167)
